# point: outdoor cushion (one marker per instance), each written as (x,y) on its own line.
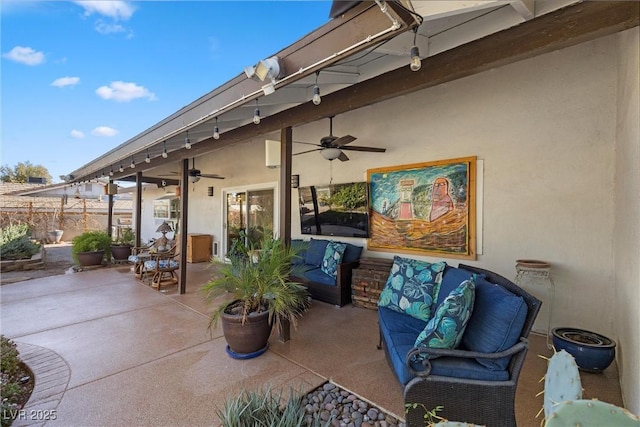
(496,322)
(446,328)
(300,249)
(164,263)
(410,287)
(318,276)
(451,279)
(352,253)
(332,257)
(315,252)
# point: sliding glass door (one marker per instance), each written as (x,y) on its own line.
(250,214)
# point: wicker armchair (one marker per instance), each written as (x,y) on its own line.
(483,402)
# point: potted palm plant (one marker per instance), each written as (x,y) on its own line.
(121,246)
(260,292)
(91,248)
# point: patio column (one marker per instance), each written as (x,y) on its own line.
(138,207)
(184,215)
(286,150)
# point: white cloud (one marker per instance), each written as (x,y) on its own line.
(25,55)
(77,134)
(117,10)
(104,131)
(106,28)
(66,81)
(124,92)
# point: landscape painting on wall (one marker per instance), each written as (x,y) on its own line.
(334,210)
(424,207)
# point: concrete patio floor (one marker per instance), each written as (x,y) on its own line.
(110,350)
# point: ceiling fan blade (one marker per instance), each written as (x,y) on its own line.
(343,140)
(306,143)
(211,175)
(308,151)
(169,174)
(343,157)
(360,148)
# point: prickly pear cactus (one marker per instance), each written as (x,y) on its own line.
(591,413)
(561,383)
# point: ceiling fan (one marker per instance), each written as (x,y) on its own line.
(196,174)
(331,147)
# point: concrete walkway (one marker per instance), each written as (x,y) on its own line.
(109,350)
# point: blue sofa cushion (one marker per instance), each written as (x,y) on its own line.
(318,276)
(332,257)
(300,248)
(496,322)
(352,253)
(446,328)
(451,279)
(411,287)
(399,333)
(315,252)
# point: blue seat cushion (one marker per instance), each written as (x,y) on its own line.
(164,263)
(496,322)
(300,249)
(318,276)
(315,252)
(134,258)
(451,279)
(399,332)
(352,253)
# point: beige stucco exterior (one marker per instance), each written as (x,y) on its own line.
(559,140)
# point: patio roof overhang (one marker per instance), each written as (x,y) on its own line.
(357,87)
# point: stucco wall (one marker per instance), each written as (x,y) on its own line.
(547,130)
(627,216)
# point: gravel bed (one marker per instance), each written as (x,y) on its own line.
(340,408)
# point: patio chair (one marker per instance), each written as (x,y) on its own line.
(161,267)
(140,254)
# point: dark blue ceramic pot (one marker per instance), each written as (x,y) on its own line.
(593,352)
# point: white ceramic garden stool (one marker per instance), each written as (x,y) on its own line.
(531,273)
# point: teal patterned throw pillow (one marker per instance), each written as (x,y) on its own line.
(411,287)
(446,328)
(332,257)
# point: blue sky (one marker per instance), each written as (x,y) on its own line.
(81,77)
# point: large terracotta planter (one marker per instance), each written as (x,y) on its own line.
(248,339)
(87,259)
(120,252)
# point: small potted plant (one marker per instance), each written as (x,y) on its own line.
(91,248)
(261,295)
(121,246)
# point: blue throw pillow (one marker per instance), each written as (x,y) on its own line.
(447,327)
(332,257)
(411,287)
(352,253)
(315,252)
(497,321)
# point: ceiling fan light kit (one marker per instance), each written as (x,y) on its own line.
(330,153)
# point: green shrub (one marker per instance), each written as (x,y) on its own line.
(262,408)
(91,241)
(12,392)
(127,237)
(16,243)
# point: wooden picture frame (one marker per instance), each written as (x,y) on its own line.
(426,208)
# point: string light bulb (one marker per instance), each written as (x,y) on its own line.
(133,163)
(148,158)
(164,151)
(256,114)
(216,131)
(416,63)
(111,171)
(187,142)
(121,169)
(316,91)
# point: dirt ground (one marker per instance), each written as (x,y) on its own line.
(57,261)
